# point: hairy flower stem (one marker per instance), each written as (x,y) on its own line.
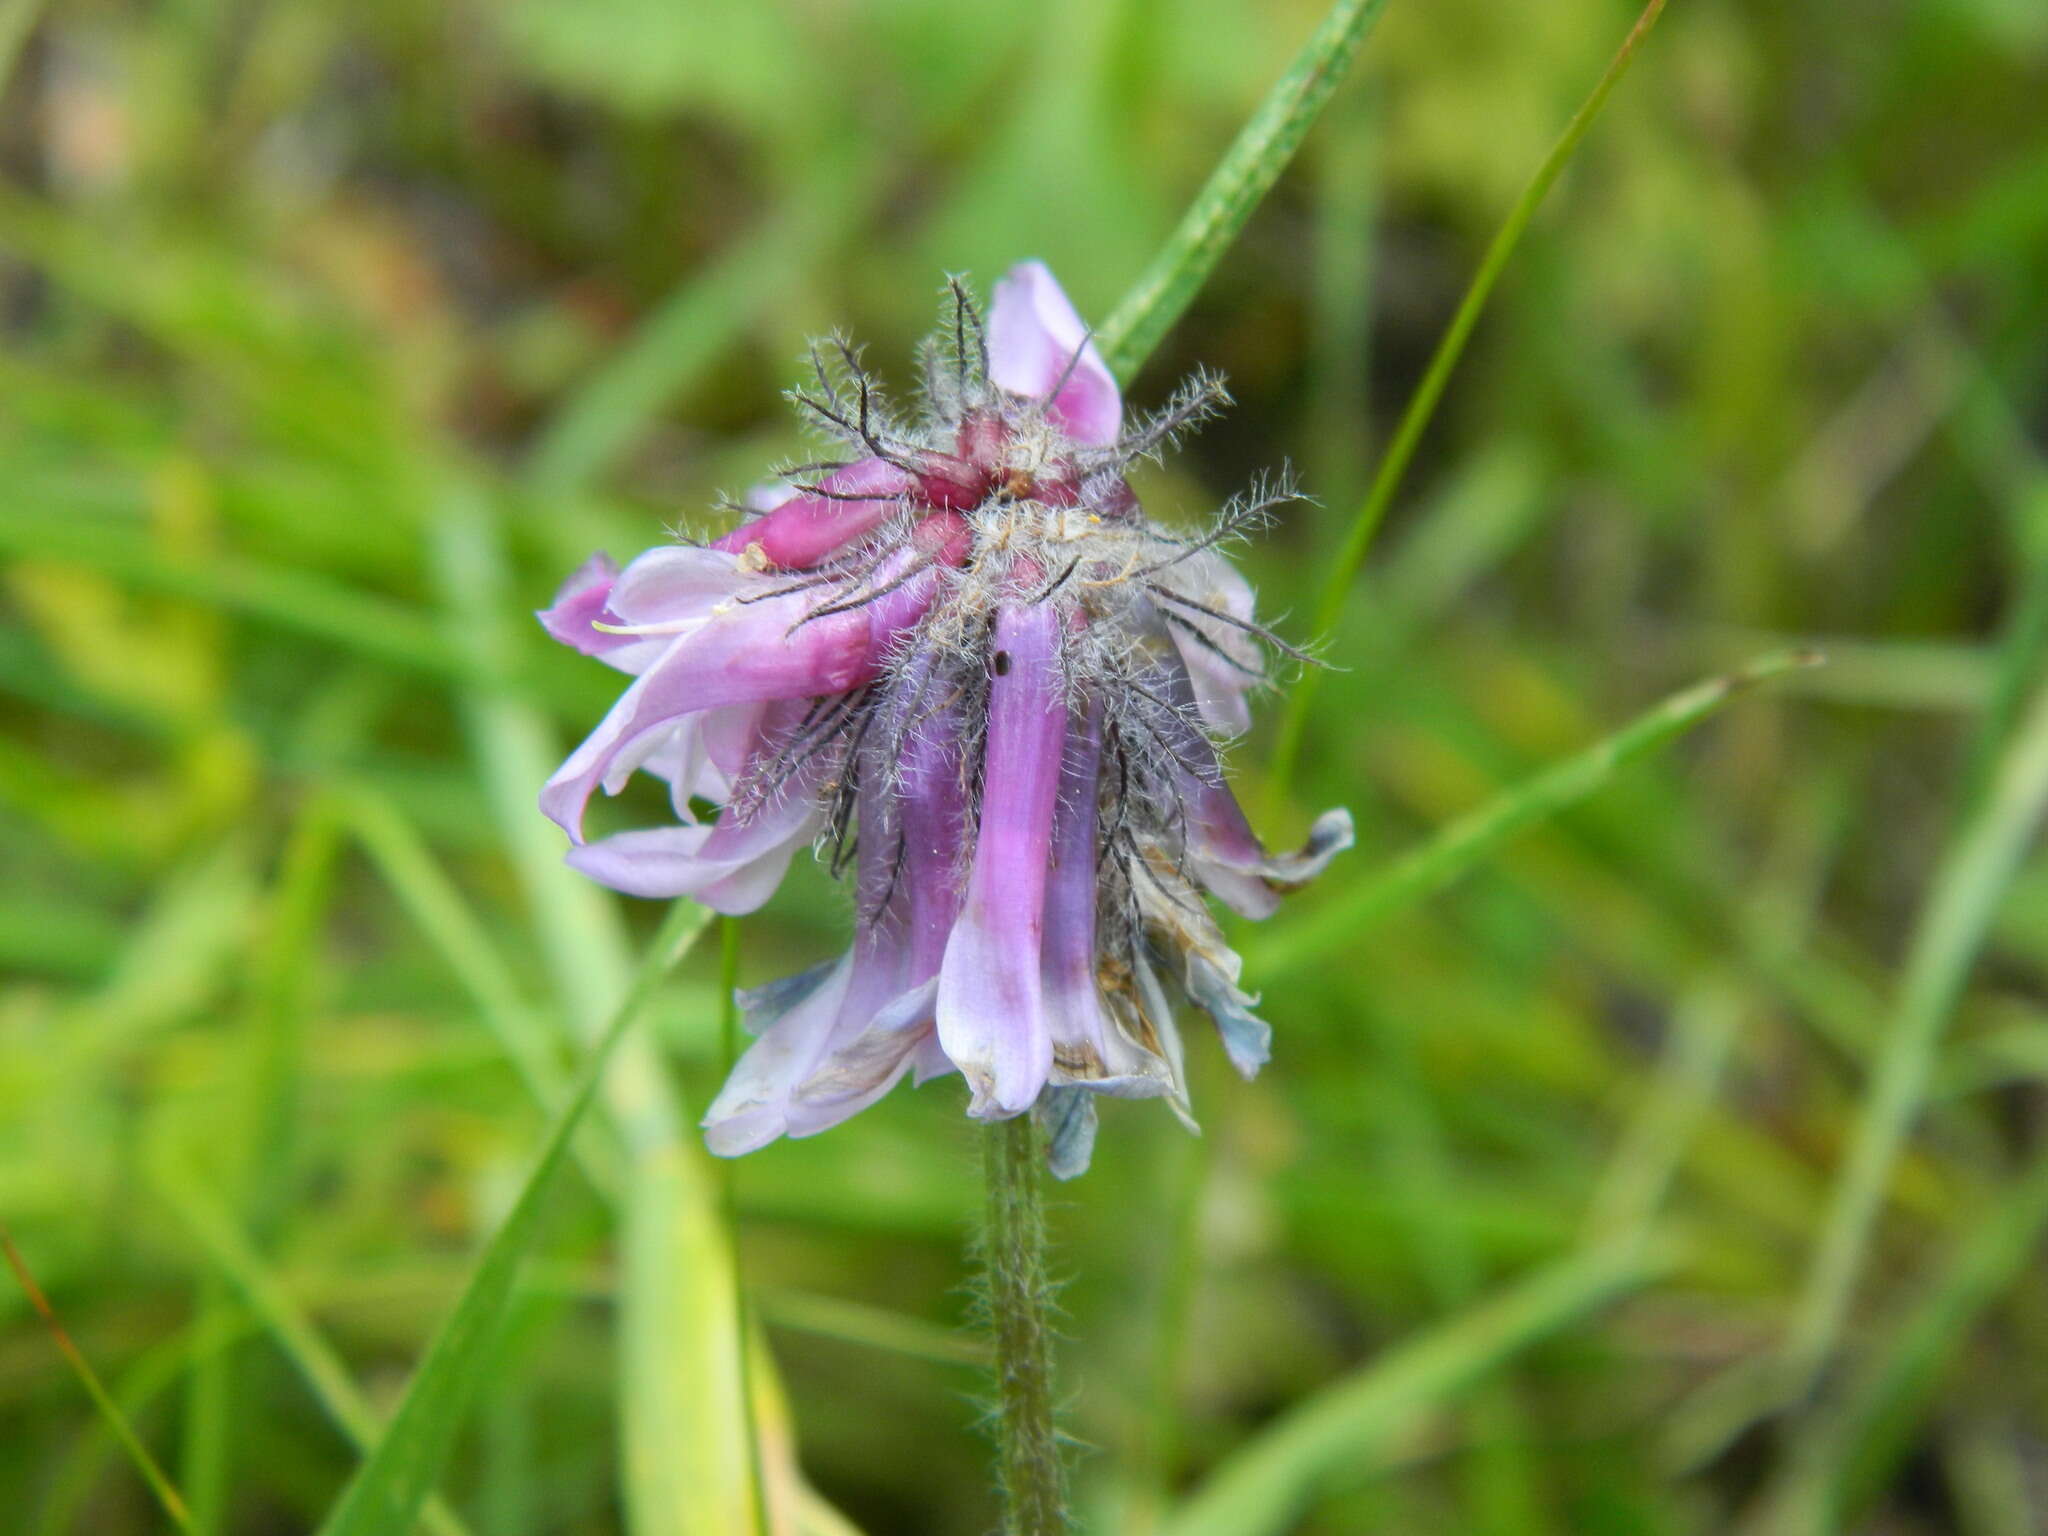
(1029,1466)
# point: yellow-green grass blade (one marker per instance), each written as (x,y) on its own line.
(1967,889)
(671,1323)
(264,1129)
(237,1264)
(1263,1486)
(1844,1455)
(389,1488)
(448,923)
(110,1411)
(1455,849)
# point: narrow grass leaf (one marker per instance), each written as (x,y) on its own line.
(1422,404)
(1846,1456)
(1455,849)
(1262,1488)
(291,598)
(236,1263)
(387,1491)
(103,1400)
(1241,180)
(685,334)
(1967,889)
(448,923)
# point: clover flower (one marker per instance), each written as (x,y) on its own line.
(965,662)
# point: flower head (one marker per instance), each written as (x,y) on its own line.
(964,659)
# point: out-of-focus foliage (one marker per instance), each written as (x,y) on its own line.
(334,334)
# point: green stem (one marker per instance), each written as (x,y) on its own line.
(1028,1459)
(1237,186)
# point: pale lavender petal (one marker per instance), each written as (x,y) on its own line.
(767,495)
(1222,660)
(857,1073)
(1231,862)
(824,1072)
(1033,338)
(676,584)
(930,1060)
(1069,1131)
(912,827)
(731,867)
(1087,1048)
(1247,1039)
(990,1005)
(1223,851)
(807,526)
(761,1006)
(752,1109)
(1151,1020)
(582,604)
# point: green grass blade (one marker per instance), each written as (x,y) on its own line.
(1967,889)
(674,1324)
(1422,404)
(446,921)
(1261,1488)
(686,1332)
(1472,836)
(236,1263)
(103,1400)
(259,1153)
(1844,1458)
(685,334)
(1235,188)
(387,1491)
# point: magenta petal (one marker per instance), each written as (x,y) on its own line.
(809,525)
(1033,336)
(990,1016)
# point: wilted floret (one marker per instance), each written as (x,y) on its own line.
(966,662)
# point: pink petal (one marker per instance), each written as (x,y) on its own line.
(807,526)
(1033,335)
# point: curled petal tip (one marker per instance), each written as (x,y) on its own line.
(1038,348)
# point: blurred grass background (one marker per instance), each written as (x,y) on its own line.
(335,334)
